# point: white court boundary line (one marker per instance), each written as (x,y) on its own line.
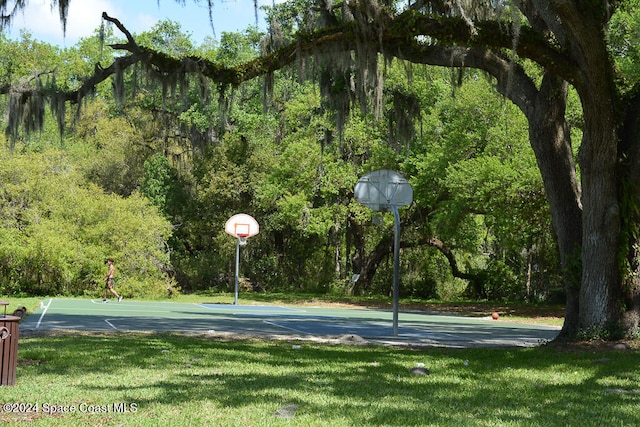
(46,307)
(286,327)
(107,321)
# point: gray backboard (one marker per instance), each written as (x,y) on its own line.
(381,189)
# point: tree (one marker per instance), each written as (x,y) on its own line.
(56,229)
(596,218)
(479,190)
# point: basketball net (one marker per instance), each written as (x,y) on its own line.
(242,232)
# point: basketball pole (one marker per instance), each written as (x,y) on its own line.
(235,297)
(396,267)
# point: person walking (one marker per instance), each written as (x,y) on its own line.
(109,280)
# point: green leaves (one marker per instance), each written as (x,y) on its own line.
(57,229)
(475,174)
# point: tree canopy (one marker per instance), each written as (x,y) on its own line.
(536,52)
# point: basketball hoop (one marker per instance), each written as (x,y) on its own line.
(241,226)
(384,190)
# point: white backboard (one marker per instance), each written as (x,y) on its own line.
(242,225)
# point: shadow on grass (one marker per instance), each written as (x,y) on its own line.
(344,385)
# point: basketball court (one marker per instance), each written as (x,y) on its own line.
(303,322)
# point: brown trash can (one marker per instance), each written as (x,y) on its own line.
(9,326)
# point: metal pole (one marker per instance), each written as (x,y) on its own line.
(396,268)
(235,299)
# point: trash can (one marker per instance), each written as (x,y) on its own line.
(8,347)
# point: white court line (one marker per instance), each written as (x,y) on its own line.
(285,327)
(43,312)
(110,324)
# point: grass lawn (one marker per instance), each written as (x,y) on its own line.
(193,380)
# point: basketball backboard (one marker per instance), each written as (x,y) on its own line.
(381,189)
(242,226)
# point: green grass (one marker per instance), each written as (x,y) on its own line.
(193,380)
(175,380)
(30,303)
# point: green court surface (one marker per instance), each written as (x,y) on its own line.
(376,326)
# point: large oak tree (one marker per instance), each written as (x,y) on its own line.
(595,214)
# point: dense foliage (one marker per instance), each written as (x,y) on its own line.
(151,178)
(58,228)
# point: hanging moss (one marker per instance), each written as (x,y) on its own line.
(58,107)
(119,90)
(10,9)
(26,110)
(349,70)
(405,111)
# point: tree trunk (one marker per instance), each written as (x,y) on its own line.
(601,219)
(550,139)
(357,257)
(371,262)
(594,78)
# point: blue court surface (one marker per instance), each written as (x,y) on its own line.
(304,322)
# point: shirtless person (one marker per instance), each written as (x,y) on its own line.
(109,278)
